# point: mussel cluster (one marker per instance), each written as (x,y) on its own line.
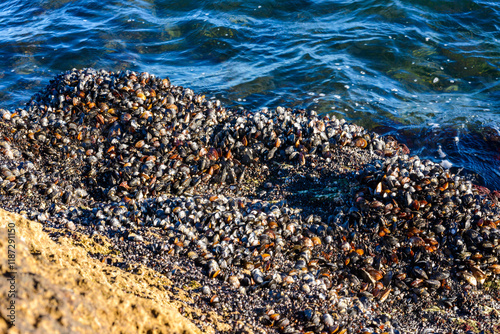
(125,136)
(170,176)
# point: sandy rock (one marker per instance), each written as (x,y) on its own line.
(61,289)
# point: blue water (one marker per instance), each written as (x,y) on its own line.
(426,72)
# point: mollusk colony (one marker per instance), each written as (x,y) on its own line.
(321,225)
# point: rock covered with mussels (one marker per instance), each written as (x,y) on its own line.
(368,227)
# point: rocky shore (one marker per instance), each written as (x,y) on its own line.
(61,289)
(268,221)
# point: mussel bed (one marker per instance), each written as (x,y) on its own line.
(287,221)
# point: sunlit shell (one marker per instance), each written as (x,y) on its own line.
(360,142)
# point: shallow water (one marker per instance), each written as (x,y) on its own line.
(426,72)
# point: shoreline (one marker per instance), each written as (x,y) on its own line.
(317,223)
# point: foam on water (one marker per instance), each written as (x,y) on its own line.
(446,164)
